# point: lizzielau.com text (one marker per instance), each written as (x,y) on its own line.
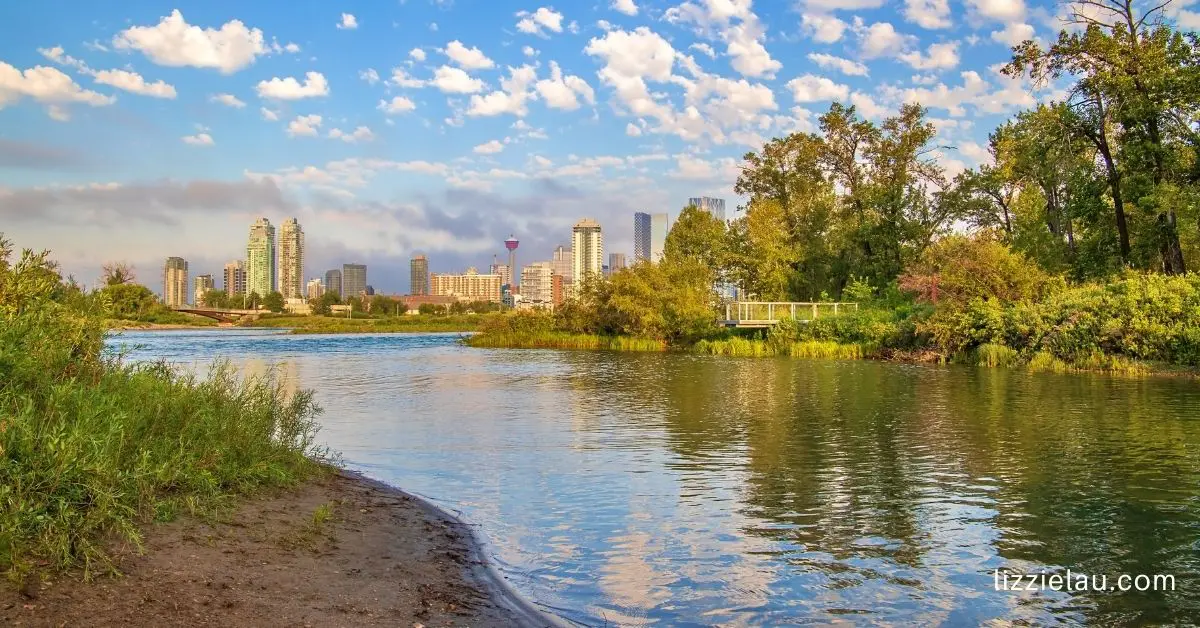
(1078,582)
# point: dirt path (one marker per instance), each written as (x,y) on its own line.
(380,557)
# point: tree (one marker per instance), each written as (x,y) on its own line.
(274,302)
(253,300)
(217,299)
(698,236)
(380,304)
(129,301)
(117,273)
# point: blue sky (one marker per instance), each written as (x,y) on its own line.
(140,130)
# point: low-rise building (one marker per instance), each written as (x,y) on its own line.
(469,286)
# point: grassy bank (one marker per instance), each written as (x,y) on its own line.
(91,448)
(389,324)
(564,340)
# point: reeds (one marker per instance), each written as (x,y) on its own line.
(563,340)
(754,348)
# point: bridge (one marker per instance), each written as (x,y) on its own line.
(219,314)
(765,314)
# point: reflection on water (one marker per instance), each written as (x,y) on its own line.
(673,489)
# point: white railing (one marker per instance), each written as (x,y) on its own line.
(773,312)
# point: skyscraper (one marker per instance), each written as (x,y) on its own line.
(260,258)
(503,270)
(354,280)
(537,283)
(314,289)
(660,225)
(235,278)
(561,261)
(419,276)
(641,237)
(587,249)
(616,261)
(291,259)
(204,283)
(333,282)
(714,206)
(175,282)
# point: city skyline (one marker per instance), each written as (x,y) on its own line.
(394,136)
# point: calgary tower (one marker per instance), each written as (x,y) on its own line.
(511,244)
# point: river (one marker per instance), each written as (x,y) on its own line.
(678,489)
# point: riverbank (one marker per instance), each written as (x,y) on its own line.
(338,550)
(392,324)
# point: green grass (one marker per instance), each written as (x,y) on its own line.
(162,318)
(91,449)
(563,340)
(754,348)
(359,325)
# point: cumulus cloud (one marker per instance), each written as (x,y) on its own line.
(229,100)
(456,81)
(931,14)
(1013,34)
(349,22)
(940,56)
(561,92)
(134,83)
(417,54)
(845,66)
(268,115)
(304,125)
(511,98)
(398,104)
(46,85)
(468,58)
(199,139)
(881,39)
(812,88)
(489,148)
(822,28)
(359,134)
(734,23)
(540,21)
(290,89)
(625,6)
(174,42)
(999,10)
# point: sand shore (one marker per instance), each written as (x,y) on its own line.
(338,551)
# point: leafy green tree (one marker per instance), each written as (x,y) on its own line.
(382,305)
(274,302)
(698,236)
(217,299)
(115,273)
(252,301)
(129,301)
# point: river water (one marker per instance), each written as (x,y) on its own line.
(676,489)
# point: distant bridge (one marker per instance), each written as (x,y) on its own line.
(765,314)
(219,314)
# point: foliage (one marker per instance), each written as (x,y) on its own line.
(372,324)
(90,447)
(274,302)
(959,269)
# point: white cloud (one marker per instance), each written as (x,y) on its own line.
(369,75)
(400,78)
(417,54)
(349,22)
(999,10)
(704,49)
(229,100)
(199,139)
(268,115)
(134,83)
(812,88)
(845,66)
(625,6)
(542,161)
(560,92)
(825,29)
(544,18)
(924,79)
(291,89)
(512,96)
(633,130)
(174,42)
(398,104)
(46,85)
(58,113)
(490,148)
(931,14)
(640,53)
(941,56)
(843,5)
(456,81)
(359,134)
(1013,33)
(304,125)
(468,58)
(881,39)
(867,106)
(692,168)
(733,22)
(529,51)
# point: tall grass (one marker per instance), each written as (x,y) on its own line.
(754,348)
(91,447)
(563,340)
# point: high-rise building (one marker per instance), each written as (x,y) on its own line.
(537,283)
(504,270)
(660,225)
(587,249)
(562,261)
(291,259)
(469,286)
(314,289)
(175,282)
(235,278)
(556,290)
(418,283)
(333,282)
(354,280)
(203,285)
(714,206)
(616,262)
(260,258)
(641,237)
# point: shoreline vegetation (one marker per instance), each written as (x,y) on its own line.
(208,496)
